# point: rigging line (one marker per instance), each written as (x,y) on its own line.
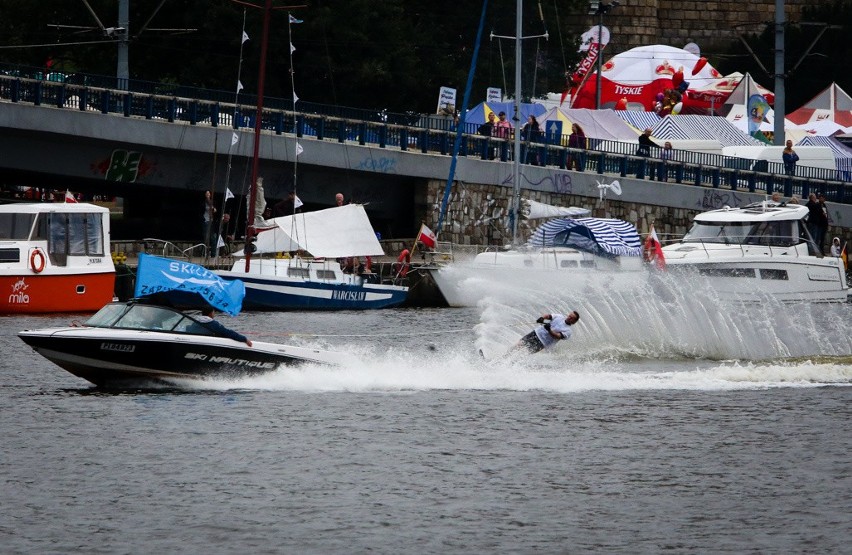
(502,67)
(229,163)
(52,44)
(561,40)
(294,230)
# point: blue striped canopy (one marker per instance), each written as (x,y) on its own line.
(600,236)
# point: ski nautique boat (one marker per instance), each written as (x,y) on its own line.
(151,340)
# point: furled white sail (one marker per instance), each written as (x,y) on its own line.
(534,210)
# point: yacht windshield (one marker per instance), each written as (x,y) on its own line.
(107,316)
(774,234)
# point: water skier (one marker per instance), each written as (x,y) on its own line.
(553,328)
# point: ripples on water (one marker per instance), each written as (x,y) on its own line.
(679,427)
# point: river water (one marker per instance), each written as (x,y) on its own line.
(679,427)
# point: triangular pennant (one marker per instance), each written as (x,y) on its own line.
(245,37)
(234,139)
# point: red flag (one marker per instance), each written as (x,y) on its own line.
(654,250)
(427,237)
(69,196)
(844,257)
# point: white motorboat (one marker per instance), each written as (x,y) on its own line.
(756,252)
(564,254)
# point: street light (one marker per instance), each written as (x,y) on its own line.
(599,9)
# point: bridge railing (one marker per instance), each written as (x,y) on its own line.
(401,131)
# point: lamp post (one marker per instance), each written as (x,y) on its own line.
(599,9)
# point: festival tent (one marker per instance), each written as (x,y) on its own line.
(479,113)
(640,73)
(639,120)
(823,128)
(832,104)
(842,154)
(596,124)
(695,127)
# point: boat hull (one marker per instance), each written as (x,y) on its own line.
(45,293)
(128,358)
(271,293)
(789,281)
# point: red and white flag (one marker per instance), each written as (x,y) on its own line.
(427,237)
(69,196)
(654,250)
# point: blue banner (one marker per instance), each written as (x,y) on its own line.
(157,275)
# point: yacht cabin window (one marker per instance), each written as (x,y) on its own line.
(782,233)
(16,226)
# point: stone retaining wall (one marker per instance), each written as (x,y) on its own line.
(710,24)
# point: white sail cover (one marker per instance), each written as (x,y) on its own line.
(600,236)
(533,209)
(331,233)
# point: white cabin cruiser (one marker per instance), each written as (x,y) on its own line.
(563,254)
(759,251)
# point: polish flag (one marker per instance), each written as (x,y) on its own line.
(844,257)
(427,237)
(654,250)
(69,196)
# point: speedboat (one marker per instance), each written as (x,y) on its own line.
(759,251)
(279,281)
(564,254)
(133,344)
(158,337)
(54,257)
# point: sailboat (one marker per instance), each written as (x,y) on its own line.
(310,276)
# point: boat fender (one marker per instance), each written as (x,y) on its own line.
(403,263)
(37,261)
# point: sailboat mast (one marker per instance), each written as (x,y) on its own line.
(516,167)
(261,78)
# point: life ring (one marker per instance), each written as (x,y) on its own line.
(37,267)
(403,263)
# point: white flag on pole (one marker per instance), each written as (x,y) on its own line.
(292,48)
(245,37)
(297,202)
(295,97)
(234,139)
(239,85)
(220,243)
(299,149)
(228,194)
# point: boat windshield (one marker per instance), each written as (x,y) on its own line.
(16,226)
(783,233)
(146,317)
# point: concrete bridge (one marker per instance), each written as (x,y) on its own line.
(159,153)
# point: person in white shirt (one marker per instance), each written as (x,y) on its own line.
(553,328)
(835,247)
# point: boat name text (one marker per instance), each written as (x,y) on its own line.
(231,361)
(118,347)
(349,295)
(18,296)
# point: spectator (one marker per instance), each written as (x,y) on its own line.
(645,143)
(835,247)
(666,154)
(503,129)
(339,200)
(789,157)
(207,216)
(577,140)
(487,128)
(531,130)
